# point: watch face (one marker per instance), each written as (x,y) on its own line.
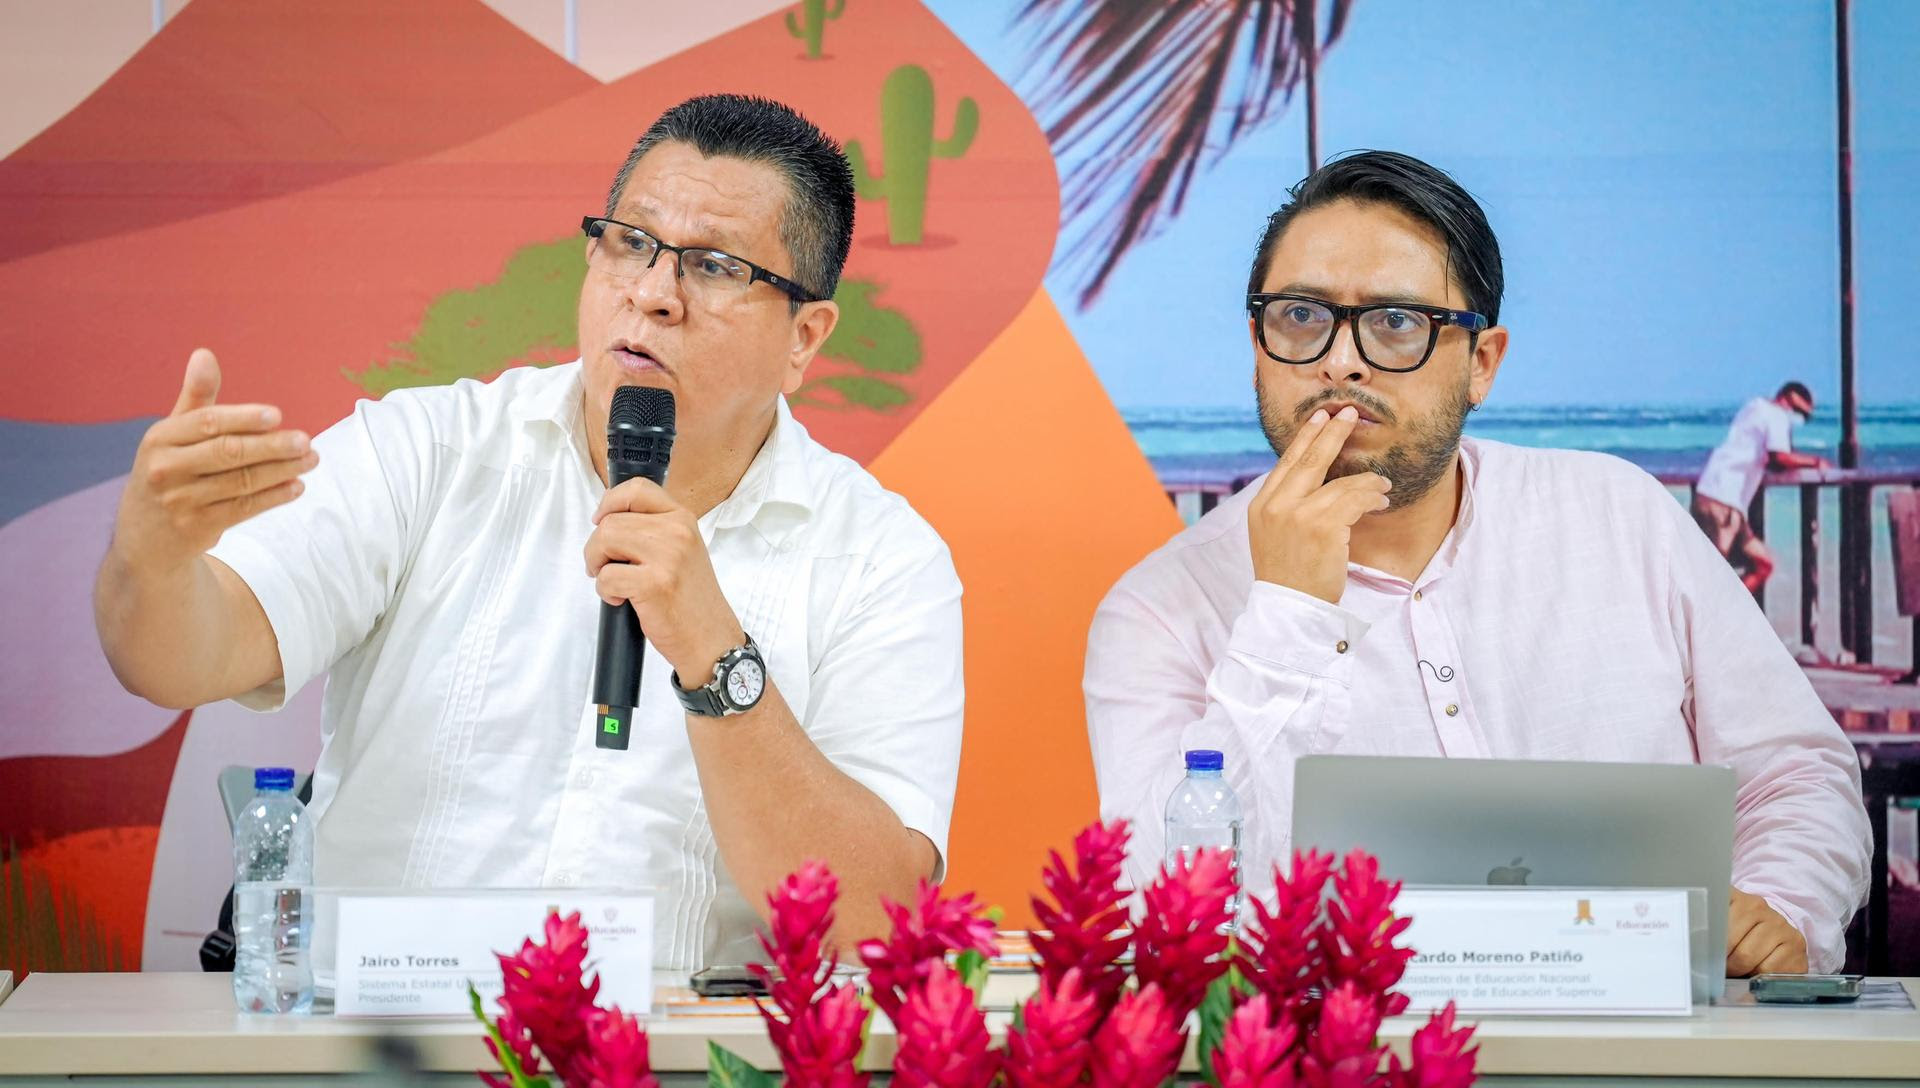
(745,681)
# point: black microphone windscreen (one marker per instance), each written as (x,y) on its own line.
(641,407)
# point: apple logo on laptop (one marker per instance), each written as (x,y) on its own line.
(1513,873)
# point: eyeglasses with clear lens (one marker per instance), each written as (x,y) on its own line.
(627,252)
(1392,336)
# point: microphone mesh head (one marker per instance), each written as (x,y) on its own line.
(639,407)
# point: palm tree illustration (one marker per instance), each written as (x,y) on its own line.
(1135,95)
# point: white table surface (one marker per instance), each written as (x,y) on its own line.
(185,1023)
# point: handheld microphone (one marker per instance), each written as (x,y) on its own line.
(639,443)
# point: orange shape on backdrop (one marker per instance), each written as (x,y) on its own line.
(1029,473)
(79,902)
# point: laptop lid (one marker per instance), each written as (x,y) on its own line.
(1533,822)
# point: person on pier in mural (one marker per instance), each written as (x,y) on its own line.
(1760,441)
(1393,587)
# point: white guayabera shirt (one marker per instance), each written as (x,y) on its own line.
(435,564)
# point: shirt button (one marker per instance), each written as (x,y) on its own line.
(584,779)
(1416,594)
(1340,647)
(564,880)
(1452,709)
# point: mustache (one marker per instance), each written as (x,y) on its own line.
(1374,405)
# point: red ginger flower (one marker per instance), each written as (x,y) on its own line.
(819,1038)
(920,941)
(1342,1050)
(617,1053)
(547,1001)
(943,1036)
(800,915)
(1053,1047)
(819,1045)
(1279,947)
(1357,938)
(1441,1058)
(1087,914)
(1178,944)
(519,1041)
(1256,1050)
(1139,1046)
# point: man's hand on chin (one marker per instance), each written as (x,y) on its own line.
(1759,940)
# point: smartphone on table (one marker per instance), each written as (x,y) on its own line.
(1786,989)
(729,981)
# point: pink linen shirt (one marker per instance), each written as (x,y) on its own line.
(1573,612)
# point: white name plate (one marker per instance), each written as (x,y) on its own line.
(1549,951)
(413,955)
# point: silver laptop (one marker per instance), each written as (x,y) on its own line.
(1547,824)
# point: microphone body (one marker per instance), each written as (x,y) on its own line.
(639,443)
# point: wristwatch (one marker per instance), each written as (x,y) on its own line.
(739,679)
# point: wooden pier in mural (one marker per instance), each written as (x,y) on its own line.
(1864,696)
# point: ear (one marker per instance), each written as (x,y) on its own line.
(811,327)
(1488,352)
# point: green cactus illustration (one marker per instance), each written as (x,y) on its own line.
(528,314)
(906,127)
(814,28)
(878,340)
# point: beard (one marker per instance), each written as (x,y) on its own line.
(1421,452)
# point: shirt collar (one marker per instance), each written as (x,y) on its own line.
(1449,553)
(553,398)
(775,485)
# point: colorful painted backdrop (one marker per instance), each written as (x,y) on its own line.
(344,197)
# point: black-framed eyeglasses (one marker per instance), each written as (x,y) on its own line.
(1396,337)
(626,251)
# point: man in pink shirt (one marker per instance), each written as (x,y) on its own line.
(1393,588)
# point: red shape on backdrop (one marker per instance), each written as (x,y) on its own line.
(290,291)
(234,101)
(48,797)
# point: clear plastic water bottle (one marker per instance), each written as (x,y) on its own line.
(1203,812)
(272,885)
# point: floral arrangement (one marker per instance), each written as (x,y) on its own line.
(548,1015)
(1296,1002)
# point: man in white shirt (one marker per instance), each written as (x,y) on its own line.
(442,555)
(1393,588)
(1760,440)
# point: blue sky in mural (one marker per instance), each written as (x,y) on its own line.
(1661,177)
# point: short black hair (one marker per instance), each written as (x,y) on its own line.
(1423,192)
(1795,389)
(817,224)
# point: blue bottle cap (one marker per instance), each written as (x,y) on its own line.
(273,778)
(1205,759)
